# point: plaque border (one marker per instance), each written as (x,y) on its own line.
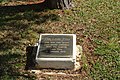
(73,58)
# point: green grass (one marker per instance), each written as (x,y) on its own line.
(95,22)
(101,18)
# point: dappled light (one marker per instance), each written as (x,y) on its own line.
(18,30)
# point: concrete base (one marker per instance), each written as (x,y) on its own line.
(78,57)
(56,64)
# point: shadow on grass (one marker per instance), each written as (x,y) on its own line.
(37,7)
(31,54)
(16,22)
(5,61)
(8,67)
(15,27)
(23,8)
(16,31)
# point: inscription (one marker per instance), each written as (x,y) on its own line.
(57,46)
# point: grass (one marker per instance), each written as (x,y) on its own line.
(95,22)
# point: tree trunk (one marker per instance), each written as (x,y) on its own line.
(58,4)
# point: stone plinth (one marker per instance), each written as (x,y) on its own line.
(58,51)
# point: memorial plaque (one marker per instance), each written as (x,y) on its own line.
(55,50)
(55,46)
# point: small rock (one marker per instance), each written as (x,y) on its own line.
(36,71)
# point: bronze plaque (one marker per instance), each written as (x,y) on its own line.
(55,46)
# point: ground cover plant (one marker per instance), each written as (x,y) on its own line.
(95,22)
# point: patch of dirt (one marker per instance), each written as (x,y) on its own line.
(56,75)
